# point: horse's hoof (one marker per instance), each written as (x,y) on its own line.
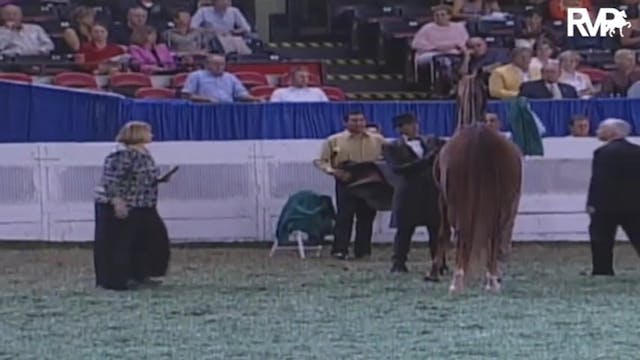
(457,283)
(493,285)
(431,278)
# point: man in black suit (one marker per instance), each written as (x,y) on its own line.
(415,198)
(548,87)
(614,193)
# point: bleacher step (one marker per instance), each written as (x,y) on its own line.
(387,96)
(310,50)
(352,66)
(367,82)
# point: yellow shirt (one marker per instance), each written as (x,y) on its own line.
(345,146)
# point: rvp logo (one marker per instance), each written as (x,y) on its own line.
(607,22)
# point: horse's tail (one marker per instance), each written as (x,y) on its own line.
(485,182)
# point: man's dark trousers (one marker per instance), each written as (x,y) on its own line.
(348,206)
(602,230)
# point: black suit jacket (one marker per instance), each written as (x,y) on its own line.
(538,90)
(615,178)
(415,200)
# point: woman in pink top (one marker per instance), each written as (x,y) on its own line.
(440,36)
(147,55)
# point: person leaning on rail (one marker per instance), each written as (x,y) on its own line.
(131,241)
(352,146)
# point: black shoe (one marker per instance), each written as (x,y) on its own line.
(339,255)
(399,268)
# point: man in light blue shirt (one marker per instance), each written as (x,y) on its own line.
(214,84)
(222,19)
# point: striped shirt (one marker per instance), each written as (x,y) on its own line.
(28,40)
(129,174)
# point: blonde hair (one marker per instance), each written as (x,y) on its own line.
(625,54)
(134,133)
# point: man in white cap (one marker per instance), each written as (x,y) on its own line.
(614,193)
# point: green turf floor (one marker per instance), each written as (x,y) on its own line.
(238,304)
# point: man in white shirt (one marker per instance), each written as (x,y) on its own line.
(20,39)
(299,91)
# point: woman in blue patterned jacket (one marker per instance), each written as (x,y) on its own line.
(131,241)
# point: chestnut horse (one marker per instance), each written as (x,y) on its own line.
(479,174)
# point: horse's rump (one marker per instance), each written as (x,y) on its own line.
(480,176)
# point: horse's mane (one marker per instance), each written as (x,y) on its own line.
(471,100)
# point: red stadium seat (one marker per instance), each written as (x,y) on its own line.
(334,93)
(75,80)
(17,77)
(314,80)
(596,75)
(178,80)
(131,79)
(155,93)
(251,79)
(263,91)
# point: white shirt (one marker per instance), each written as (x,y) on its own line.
(555,90)
(294,94)
(416,146)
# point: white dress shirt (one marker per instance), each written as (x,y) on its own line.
(295,94)
(416,146)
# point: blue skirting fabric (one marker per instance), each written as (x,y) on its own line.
(38,113)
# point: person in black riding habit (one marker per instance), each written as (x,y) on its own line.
(131,241)
(614,194)
(415,201)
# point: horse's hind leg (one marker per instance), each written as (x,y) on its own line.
(462,263)
(493,283)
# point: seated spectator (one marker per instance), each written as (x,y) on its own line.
(100,56)
(505,81)
(19,39)
(222,19)
(183,39)
(479,58)
(618,81)
(471,9)
(579,126)
(226,25)
(440,36)
(543,51)
(121,33)
(299,91)
(157,14)
(631,35)
(492,121)
(147,55)
(82,21)
(533,29)
(558,8)
(569,61)
(214,84)
(548,87)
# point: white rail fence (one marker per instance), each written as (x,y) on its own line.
(233,191)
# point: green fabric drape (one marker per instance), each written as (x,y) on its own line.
(524,128)
(308,212)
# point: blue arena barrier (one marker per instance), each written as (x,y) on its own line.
(37,113)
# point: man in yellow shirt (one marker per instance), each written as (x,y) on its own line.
(505,81)
(353,145)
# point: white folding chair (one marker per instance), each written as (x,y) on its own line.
(299,238)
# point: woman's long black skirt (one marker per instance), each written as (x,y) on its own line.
(134,248)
